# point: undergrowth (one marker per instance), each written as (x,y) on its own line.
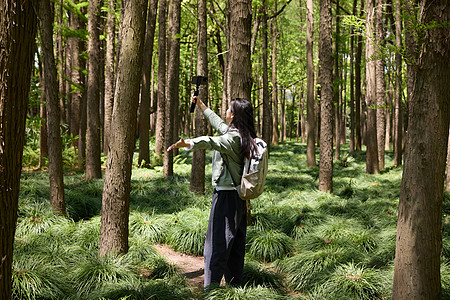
(302,243)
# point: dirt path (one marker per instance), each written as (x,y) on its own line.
(191,266)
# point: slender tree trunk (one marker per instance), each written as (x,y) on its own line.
(326,101)
(311,122)
(197,182)
(60,54)
(419,227)
(55,163)
(109,73)
(18,21)
(144,109)
(380,84)
(161,110)
(336,80)
(372,165)
(116,190)
(76,77)
(43,131)
(352,83)
(398,136)
(276,134)
(172,82)
(358,87)
(267,115)
(93,148)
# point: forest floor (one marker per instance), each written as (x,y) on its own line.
(190,266)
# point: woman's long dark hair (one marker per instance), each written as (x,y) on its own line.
(243,121)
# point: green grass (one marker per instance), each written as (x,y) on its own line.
(302,243)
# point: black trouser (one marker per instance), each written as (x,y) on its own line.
(225,239)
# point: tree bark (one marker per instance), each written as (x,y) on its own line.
(76,77)
(197,182)
(172,82)
(276,122)
(144,108)
(358,56)
(116,190)
(18,21)
(109,73)
(93,143)
(240,69)
(398,111)
(161,110)
(419,227)
(372,165)
(380,84)
(326,100)
(267,113)
(55,163)
(310,114)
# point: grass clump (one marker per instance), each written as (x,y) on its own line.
(188,231)
(243,293)
(257,274)
(270,245)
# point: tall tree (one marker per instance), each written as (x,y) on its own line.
(161,109)
(380,84)
(76,63)
(267,111)
(93,143)
(326,99)
(310,114)
(419,226)
(173,81)
(55,163)
(240,69)
(275,131)
(336,85)
(109,73)
(358,56)
(197,182)
(144,108)
(398,109)
(18,23)
(116,190)
(372,166)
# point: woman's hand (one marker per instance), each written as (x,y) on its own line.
(179,144)
(199,103)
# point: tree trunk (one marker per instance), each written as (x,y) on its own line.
(358,86)
(161,110)
(109,73)
(398,111)
(275,131)
(93,145)
(18,21)
(372,165)
(326,100)
(197,182)
(380,85)
(240,69)
(55,163)
(419,227)
(76,77)
(116,190)
(310,114)
(144,109)
(173,82)
(267,114)
(336,83)
(60,54)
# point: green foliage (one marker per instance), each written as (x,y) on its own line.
(320,245)
(244,293)
(188,231)
(270,245)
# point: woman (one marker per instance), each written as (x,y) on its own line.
(225,238)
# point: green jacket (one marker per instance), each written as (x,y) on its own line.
(229,145)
